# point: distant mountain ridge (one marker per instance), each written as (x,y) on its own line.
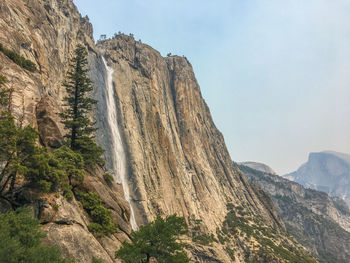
(320,222)
(259,166)
(326,171)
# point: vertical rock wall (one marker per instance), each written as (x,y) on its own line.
(178,161)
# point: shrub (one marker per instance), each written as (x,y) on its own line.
(20,237)
(18,59)
(101,217)
(108,178)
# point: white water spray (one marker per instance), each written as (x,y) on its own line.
(118,157)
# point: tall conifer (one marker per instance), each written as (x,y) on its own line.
(80,136)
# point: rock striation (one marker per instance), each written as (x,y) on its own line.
(318,221)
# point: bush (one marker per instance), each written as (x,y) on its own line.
(101,217)
(20,237)
(50,172)
(18,59)
(72,163)
(108,178)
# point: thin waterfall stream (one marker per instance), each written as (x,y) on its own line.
(118,156)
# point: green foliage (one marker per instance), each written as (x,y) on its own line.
(51,172)
(231,253)
(157,240)
(18,59)
(102,221)
(72,163)
(108,178)
(240,223)
(20,237)
(48,172)
(20,156)
(18,152)
(4,93)
(90,151)
(96,260)
(76,116)
(198,236)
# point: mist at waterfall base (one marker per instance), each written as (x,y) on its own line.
(275,74)
(118,154)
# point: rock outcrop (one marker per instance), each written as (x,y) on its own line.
(327,172)
(320,222)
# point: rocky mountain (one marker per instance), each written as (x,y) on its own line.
(325,171)
(161,143)
(318,221)
(258,166)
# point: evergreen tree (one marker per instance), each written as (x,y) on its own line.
(20,156)
(16,146)
(102,223)
(20,237)
(76,117)
(4,93)
(157,240)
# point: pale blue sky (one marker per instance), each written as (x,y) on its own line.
(275,74)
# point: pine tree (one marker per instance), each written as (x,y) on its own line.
(20,240)
(157,240)
(21,157)
(76,117)
(4,93)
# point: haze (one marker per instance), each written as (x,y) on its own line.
(275,74)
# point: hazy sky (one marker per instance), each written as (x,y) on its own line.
(275,74)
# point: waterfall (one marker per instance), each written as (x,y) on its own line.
(118,155)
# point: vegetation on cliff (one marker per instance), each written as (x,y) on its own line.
(265,243)
(23,160)
(18,59)
(27,165)
(301,208)
(20,240)
(102,222)
(80,135)
(158,240)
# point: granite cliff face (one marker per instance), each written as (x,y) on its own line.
(171,157)
(327,172)
(177,159)
(45,32)
(319,222)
